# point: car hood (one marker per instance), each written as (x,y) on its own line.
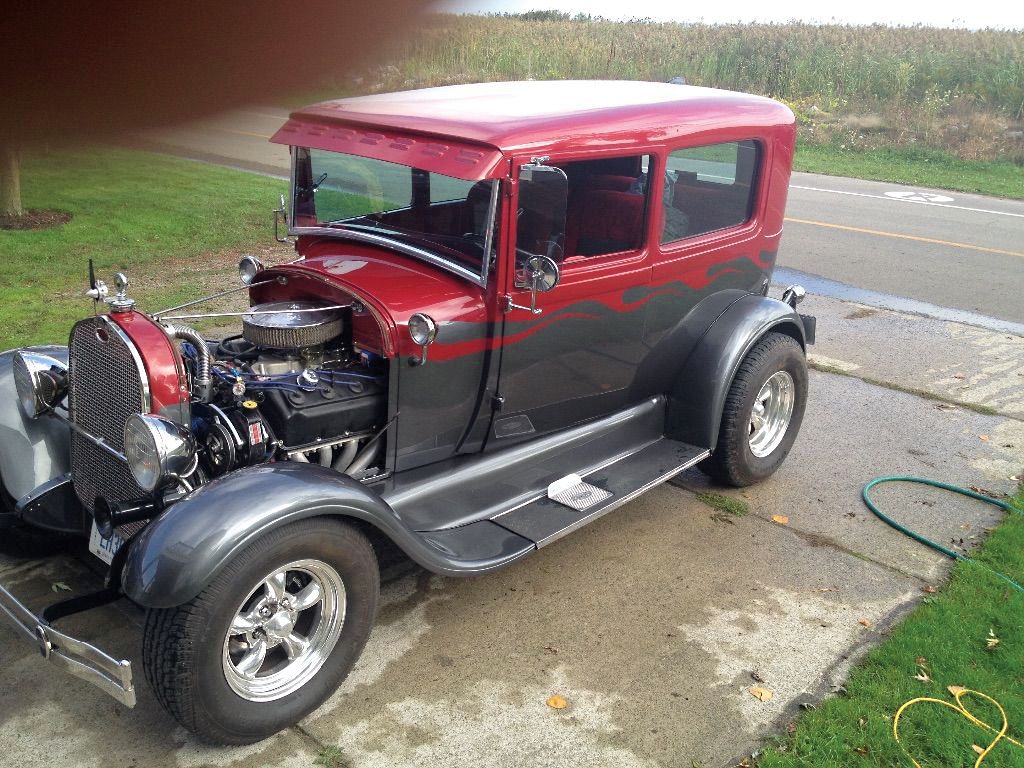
(393,286)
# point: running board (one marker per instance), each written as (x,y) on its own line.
(546,520)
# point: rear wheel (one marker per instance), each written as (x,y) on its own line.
(271,638)
(763,412)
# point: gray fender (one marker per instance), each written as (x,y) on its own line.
(32,451)
(699,392)
(177,555)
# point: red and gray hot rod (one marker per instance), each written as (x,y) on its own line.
(514,307)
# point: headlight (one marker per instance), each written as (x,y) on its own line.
(157,450)
(422,328)
(41,381)
(248,268)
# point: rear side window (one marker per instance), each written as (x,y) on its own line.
(709,188)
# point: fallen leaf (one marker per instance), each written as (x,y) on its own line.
(921,661)
(791,727)
(955,689)
(983,437)
(780,519)
(991,641)
(929,589)
(861,750)
(557,702)
(60,586)
(986,491)
(761,694)
(861,722)
(756,677)
(864,622)
(979,750)
(922,676)
(550,649)
(722,517)
(827,589)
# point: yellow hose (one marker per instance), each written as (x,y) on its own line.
(959,707)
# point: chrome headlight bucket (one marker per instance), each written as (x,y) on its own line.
(423,331)
(248,268)
(41,381)
(158,450)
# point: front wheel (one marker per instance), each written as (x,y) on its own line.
(762,414)
(271,638)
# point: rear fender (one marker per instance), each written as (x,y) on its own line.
(699,393)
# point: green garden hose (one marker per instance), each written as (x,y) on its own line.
(1006,506)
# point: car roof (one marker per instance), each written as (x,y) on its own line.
(513,116)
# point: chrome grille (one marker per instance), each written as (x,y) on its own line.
(107,385)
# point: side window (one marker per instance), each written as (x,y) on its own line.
(607,205)
(709,188)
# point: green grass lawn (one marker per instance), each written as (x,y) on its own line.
(919,167)
(948,639)
(167,223)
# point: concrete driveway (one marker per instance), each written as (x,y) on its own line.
(654,622)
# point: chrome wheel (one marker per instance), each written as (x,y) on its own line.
(771,414)
(284,631)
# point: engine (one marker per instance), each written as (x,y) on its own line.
(157,410)
(291,386)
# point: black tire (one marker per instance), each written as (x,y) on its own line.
(732,461)
(183,646)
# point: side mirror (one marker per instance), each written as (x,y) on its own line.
(540,218)
(540,275)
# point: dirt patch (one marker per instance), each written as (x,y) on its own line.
(861,314)
(206,275)
(35,219)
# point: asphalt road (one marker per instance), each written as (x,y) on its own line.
(946,248)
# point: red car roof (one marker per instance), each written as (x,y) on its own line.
(464,130)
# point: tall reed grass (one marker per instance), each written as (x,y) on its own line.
(956,89)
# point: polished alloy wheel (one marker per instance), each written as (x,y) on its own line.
(771,414)
(284,631)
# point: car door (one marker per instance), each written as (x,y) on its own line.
(576,357)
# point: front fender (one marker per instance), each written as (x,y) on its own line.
(699,393)
(177,555)
(32,451)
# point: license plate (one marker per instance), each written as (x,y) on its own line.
(104,549)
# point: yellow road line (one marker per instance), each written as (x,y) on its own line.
(898,236)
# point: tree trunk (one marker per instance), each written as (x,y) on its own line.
(10,181)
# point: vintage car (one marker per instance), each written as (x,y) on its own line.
(514,307)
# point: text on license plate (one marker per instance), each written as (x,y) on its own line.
(104,549)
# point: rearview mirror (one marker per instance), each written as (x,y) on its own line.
(540,218)
(540,275)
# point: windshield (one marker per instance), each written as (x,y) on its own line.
(440,218)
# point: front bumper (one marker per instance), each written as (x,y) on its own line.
(75,656)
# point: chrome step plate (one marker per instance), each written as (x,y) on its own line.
(573,492)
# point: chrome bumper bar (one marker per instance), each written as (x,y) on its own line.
(74,656)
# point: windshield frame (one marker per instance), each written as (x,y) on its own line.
(406,249)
